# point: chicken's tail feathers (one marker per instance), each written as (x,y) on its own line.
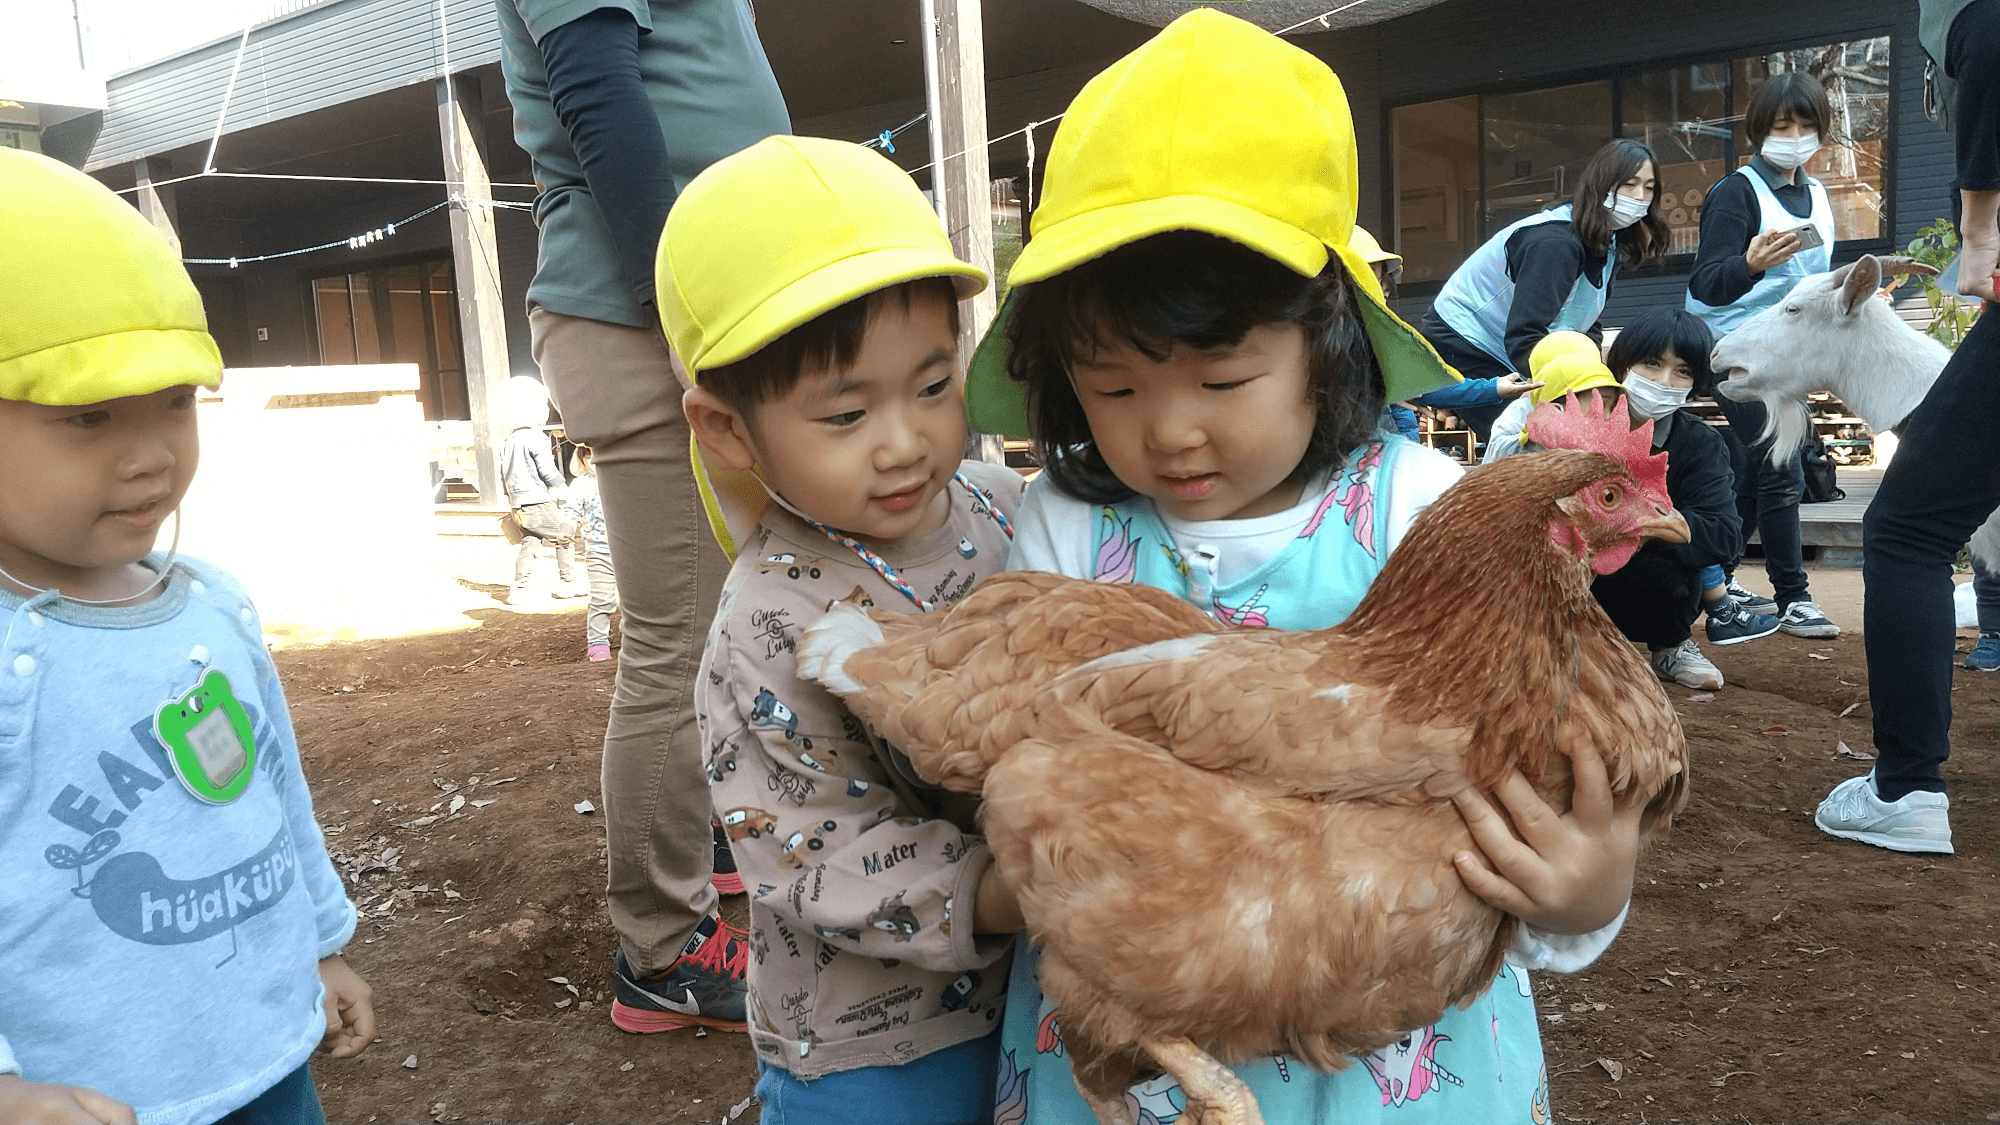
(827,644)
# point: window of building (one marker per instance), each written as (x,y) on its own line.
(402,313)
(1467,166)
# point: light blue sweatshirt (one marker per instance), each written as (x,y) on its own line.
(157,948)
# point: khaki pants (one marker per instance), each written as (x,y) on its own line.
(616,390)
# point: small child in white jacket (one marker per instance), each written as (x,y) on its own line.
(585,509)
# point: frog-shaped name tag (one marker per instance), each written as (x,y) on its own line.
(208,738)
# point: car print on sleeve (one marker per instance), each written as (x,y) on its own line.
(767,710)
(793,852)
(748,824)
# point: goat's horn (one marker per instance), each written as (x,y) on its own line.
(1907,266)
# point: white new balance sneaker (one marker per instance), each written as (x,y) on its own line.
(1919,822)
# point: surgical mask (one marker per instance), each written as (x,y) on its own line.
(1789,152)
(1625,210)
(1652,401)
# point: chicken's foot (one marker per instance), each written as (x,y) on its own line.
(1216,1096)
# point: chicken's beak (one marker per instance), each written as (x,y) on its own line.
(1667,525)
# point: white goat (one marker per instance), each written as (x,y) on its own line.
(1829,334)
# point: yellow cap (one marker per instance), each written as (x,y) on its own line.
(770,237)
(94,304)
(1560,343)
(1570,373)
(1369,250)
(1213,125)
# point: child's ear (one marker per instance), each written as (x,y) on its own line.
(719,427)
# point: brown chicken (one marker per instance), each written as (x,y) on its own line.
(1233,843)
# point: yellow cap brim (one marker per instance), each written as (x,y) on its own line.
(828,288)
(137,361)
(1074,241)
(996,404)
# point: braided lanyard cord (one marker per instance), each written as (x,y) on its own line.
(979,501)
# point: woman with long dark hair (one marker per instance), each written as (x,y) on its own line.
(1547,272)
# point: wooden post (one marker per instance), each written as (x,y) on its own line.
(960,173)
(157,204)
(475,257)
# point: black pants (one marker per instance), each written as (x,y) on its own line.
(1767,499)
(1942,484)
(1653,599)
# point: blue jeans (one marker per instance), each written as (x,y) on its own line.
(949,1087)
(1939,489)
(1767,499)
(1711,577)
(293,1101)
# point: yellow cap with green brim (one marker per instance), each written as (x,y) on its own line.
(94,304)
(1213,125)
(768,238)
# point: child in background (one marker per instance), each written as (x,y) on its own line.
(811,294)
(1202,359)
(170,923)
(534,486)
(586,511)
(1660,359)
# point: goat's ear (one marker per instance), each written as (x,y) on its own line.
(1863,279)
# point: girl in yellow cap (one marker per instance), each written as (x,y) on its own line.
(1202,359)
(170,923)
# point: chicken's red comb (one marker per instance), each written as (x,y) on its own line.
(1601,429)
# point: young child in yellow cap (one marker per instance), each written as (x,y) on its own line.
(812,295)
(170,924)
(1201,358)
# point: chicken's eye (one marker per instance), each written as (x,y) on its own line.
(1609,497)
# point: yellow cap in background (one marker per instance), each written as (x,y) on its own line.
(94,304)
(1368,250)
(1570,373)
(1213,125)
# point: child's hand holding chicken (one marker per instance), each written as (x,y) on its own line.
(1563,873)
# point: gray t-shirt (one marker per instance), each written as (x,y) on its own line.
(711,88)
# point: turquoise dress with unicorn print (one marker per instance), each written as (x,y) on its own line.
(1478,1065)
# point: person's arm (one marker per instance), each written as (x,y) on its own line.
(1972,58)
(1468,392)
(542,455)
(1545,262)
(601,100)
(1732,256)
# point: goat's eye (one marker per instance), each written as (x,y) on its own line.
(1792,310)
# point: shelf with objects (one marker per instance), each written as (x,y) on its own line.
(1445,432)
(1848,440)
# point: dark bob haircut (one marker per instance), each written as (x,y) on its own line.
(1192,289)
(827,342)
(1611,166)
(1795,93)
(1653,334)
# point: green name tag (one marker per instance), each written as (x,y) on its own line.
(208,738)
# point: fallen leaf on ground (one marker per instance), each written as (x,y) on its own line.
(1612,1067)
(1776,730)
(1819,656)
(1850,709)
(1701,697)
(585,807)
(625,1066)
(457,803)
(1843,750)
(411,1062)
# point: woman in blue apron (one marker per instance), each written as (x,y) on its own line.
(1764,228)
(1548,272)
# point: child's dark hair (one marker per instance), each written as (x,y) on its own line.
(1193,289)
(1612,165)
(1794,93)
(827,342)
(1650,336)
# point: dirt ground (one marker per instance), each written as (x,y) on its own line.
(1768,973)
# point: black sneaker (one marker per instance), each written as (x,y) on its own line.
(1731,624)
(1755,603)
(704,987)
(725,880)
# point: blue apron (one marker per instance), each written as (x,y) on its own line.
(1477,297)
(1779,279)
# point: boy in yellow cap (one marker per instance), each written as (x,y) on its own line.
(1202,356)
(811,293)
(165,874)
(1562,363)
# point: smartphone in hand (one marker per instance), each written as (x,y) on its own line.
(1809,237)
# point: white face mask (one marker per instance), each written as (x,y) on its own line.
(1625,210)
(1649,400)
(1790,152)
